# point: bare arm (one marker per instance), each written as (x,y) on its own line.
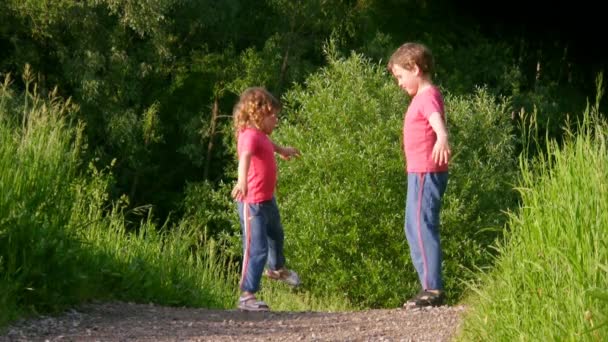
(286,152)
(441,150)
(240,189)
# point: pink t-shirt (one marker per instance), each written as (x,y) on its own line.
(418,135)
(262,175)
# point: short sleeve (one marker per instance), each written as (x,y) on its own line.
(247,142)
(432,104)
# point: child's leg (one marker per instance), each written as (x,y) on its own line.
(276,236)
(276,258)
(424,193)
(255,246)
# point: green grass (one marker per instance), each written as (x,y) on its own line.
(63,242)
(281,297)
(550,282)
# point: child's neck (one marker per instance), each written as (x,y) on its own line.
(257,129)
(424,85)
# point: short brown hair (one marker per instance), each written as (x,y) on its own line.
(410,54)
(253,106)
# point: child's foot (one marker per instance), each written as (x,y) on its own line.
(289,277)
(425,298)
(410,303)
(250,303)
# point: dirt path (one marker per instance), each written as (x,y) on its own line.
(140,322)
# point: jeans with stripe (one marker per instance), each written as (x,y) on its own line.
(423,205)
(263,238)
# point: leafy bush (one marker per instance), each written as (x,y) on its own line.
(343,201)
(212,212)
(483,171)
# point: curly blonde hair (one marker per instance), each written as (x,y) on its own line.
(254,105)
(410,54)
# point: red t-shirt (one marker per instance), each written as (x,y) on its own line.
(262,175)
(418,135)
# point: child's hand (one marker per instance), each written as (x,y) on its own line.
(288,152)
(441,151)
(240,191)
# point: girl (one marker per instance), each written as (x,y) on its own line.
(255,117)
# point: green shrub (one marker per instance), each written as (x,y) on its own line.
(211,211)
(343,201)
(483,171)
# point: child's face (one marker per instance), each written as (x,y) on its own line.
(408,80)
(269,122)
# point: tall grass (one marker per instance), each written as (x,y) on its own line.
(63,242)
(550,280)
(35,167)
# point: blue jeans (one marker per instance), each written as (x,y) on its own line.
(263,237)
(423,205)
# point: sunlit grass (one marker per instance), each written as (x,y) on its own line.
(550,281)
(281,297)
(63,241)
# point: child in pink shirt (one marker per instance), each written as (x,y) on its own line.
(427,152)
(255,117)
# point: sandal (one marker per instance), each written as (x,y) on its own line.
(411,303)
(425,299)
(289,277)
(250,303)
